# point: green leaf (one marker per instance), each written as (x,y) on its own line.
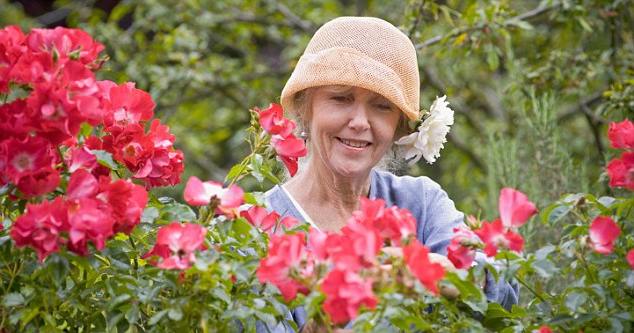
(630,279)
(584,24)
(118,300)
(177,212)
(575,300)
(113,320)
(28,315)
(105,158)
(221,294)
(545,268)
(13,299)
(518,312)
(254,198)
(606,202)
(627,204)
(235,171)
(561,319)
(543,253)
(149,214)
(157,317)
(265,317)
(556,214)
(493,59)
(175,314)
(118,12)
(521,24)
(495,310)
(616,325)
(85,130)
(57,267)
(132,315)
(256,166)
(241,231)
(495,317)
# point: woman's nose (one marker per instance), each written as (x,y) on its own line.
(359,118)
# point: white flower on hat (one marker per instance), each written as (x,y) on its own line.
(430,133)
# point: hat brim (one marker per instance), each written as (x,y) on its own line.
(347,66)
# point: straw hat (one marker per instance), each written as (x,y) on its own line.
(366,52)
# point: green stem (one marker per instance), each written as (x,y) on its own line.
(136,262)
(61,157)
(13,273)
(16,268)
(535,293)
(243,167)
(581,257)
(247,160)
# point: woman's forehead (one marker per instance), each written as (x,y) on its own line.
(345,89)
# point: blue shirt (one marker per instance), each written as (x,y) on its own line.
(436,214)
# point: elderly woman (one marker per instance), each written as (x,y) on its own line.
(352,93)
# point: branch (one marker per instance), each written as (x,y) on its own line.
(583,108)
(467,151)
(296,20)
(522,17)
(213,171)
(51,17)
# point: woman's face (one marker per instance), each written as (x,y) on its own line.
(351,129)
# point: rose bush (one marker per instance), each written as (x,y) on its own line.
(86,246)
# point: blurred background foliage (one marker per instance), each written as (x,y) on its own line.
(534,83)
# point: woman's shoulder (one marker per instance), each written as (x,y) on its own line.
(384,180)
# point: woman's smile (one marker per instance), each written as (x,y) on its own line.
(351,129)
(354,143)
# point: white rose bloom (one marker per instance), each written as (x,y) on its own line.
(431,135)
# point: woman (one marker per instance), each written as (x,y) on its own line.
(352,93)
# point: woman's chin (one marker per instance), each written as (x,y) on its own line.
(353,171)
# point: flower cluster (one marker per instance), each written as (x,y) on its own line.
(55,68)
(287,146)
(621,170)
(345,266)
(176,243)
(51,103)
(269,223)
(93,210)
(603,232)
(225,200)
(515,209)
(430,133)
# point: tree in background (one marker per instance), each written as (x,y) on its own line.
(533,83)
(534,86)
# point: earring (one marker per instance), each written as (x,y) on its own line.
(304,136)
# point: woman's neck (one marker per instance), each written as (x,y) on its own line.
(328,199)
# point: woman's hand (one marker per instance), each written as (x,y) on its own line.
(447,265)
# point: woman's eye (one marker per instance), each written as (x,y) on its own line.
(339,98)
(384,106)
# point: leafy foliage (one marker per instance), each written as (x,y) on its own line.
(534,85)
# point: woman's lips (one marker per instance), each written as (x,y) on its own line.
(354,143)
